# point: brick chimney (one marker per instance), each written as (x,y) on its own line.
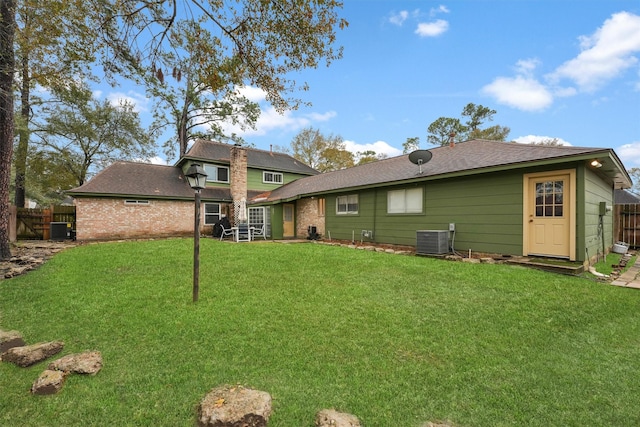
(452,142)
(238,166)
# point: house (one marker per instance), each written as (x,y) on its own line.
(139,200)
(496,197)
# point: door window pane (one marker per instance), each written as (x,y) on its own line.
(549,199)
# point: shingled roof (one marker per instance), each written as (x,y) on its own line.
(468,157)
(129,179)
(259,159)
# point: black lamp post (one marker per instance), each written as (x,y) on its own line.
(197,180)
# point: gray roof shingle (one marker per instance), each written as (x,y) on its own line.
(131,179)
(464,157)
(258,159)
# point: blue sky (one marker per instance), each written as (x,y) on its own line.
(566,69)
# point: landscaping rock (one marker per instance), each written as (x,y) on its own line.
(333,418)
(10,339)
(89,362)
(31,354)
(234,406)
(49,382)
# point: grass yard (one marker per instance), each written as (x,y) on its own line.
(395,340)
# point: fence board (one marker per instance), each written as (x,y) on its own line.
(628,224)
(34,223)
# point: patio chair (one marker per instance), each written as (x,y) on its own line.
(225,232)
(259,231)
(244,234)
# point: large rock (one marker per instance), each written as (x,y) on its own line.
(333,418)
(31,354)
(49,382)
(89,362)
(10,339)
(234,406)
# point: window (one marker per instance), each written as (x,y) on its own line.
(137,202)
(549,198)
(347,204)
(272,177)
(321,206)
(217,173)
(259,216)
(211,213)
(404,201)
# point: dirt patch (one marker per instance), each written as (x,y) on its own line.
(27,255)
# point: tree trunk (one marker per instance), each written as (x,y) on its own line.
(7,68)
(22,149)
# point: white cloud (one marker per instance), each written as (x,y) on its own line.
(630,154)
(399,18)
(604,55)
(532,139)
(432,29)
(440,9)
(380,147)
(253,94)
(157,161)
(521,92)
(139,101)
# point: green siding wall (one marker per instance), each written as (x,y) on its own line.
(254,179)
(487,212)
(596,191)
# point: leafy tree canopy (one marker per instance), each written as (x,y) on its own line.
(83,133)
(444,129)
(324,153)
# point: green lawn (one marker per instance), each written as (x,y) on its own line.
(396,340)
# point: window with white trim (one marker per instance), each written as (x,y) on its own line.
(260,217)
(216,173)
(347,204)
(137,202)
(405,201)
(271,177)
(211,213)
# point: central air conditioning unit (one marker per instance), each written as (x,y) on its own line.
(432,242)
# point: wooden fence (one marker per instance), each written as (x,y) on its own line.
(627,224)
(34,224)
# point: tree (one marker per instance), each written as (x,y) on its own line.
(260,43)
(53,45)
(188,104)
(411,144)
(324,153)
(634,173)
(551,142)
(83,133)
(444,128)
(7,69)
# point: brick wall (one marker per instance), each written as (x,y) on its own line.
(307,213)
(109,219)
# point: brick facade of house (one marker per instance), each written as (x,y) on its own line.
(110,219)
(309,212)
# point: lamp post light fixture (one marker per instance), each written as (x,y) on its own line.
(197,178)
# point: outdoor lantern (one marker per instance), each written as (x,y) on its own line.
(197,176)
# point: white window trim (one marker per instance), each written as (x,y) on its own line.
(137,202)
(403,207)
(273,174)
